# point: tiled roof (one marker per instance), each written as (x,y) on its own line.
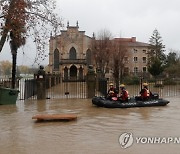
(131,42)
(136,44)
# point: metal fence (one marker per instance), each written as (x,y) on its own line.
(30,89)
(56,88)
(160,88)
(26,87)
(67,90)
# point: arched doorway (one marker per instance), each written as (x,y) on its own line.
(72,53)
(65,73)
(73,72)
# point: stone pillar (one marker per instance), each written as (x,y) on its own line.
(41,84)
(99,77)
(68,74)
(91,82)
(101,82)
(78,74)
(48,81)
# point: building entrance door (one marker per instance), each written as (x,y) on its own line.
(73,72)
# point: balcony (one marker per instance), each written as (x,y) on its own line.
(73,61)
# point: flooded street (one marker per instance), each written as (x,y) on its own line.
(96,130)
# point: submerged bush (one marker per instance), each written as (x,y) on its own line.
(131,80)
(169,81)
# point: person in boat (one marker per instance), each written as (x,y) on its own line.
(124,94)
(112,92)
(145,93)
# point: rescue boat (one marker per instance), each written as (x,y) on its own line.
(132,102)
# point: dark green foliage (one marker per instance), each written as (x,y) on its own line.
(156,67)
(173,64)
(169,81)
(157,58)
(131,80)
(171,59)
(156,46)
(173,70)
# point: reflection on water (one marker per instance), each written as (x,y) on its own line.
(96,131)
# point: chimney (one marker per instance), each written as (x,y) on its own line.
(133,39)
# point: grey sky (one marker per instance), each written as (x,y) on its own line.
(123,18)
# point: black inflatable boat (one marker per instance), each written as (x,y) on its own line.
(132,102)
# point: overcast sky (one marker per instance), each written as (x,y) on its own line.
(131,18)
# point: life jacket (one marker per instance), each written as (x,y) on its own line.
(111,92)
(124,95)
(146,93)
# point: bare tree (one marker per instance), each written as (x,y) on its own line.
(5,67)
(21,19)
(23,69)
(101,50)
(119,53)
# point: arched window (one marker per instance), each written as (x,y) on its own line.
(72,53)
(88,57)
(56,59)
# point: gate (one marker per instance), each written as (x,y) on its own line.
(30,88)
(75,89)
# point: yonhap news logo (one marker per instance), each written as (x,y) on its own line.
(127,139)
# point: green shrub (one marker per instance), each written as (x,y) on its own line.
(131,80)
(151,80)
(169,81)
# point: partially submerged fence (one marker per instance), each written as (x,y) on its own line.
(164,90)
(56,88)
(30,89)
(26,87)
(75,89)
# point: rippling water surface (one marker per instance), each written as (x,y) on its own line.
(96,130)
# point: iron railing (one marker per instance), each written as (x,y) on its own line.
(57,89)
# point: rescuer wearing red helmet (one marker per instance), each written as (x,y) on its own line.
(124,94)
(112,92)
(145,92)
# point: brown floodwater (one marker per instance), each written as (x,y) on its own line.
(96,131)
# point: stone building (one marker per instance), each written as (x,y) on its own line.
(137,57)
(70,54)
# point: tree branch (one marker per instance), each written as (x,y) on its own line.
(39,15)
(2,16)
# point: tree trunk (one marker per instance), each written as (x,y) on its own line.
(117,83)
(6,29)
(121,76)
(14,57)
(3,39)
(14,49)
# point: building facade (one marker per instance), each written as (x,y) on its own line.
(137,55)
(70,54)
